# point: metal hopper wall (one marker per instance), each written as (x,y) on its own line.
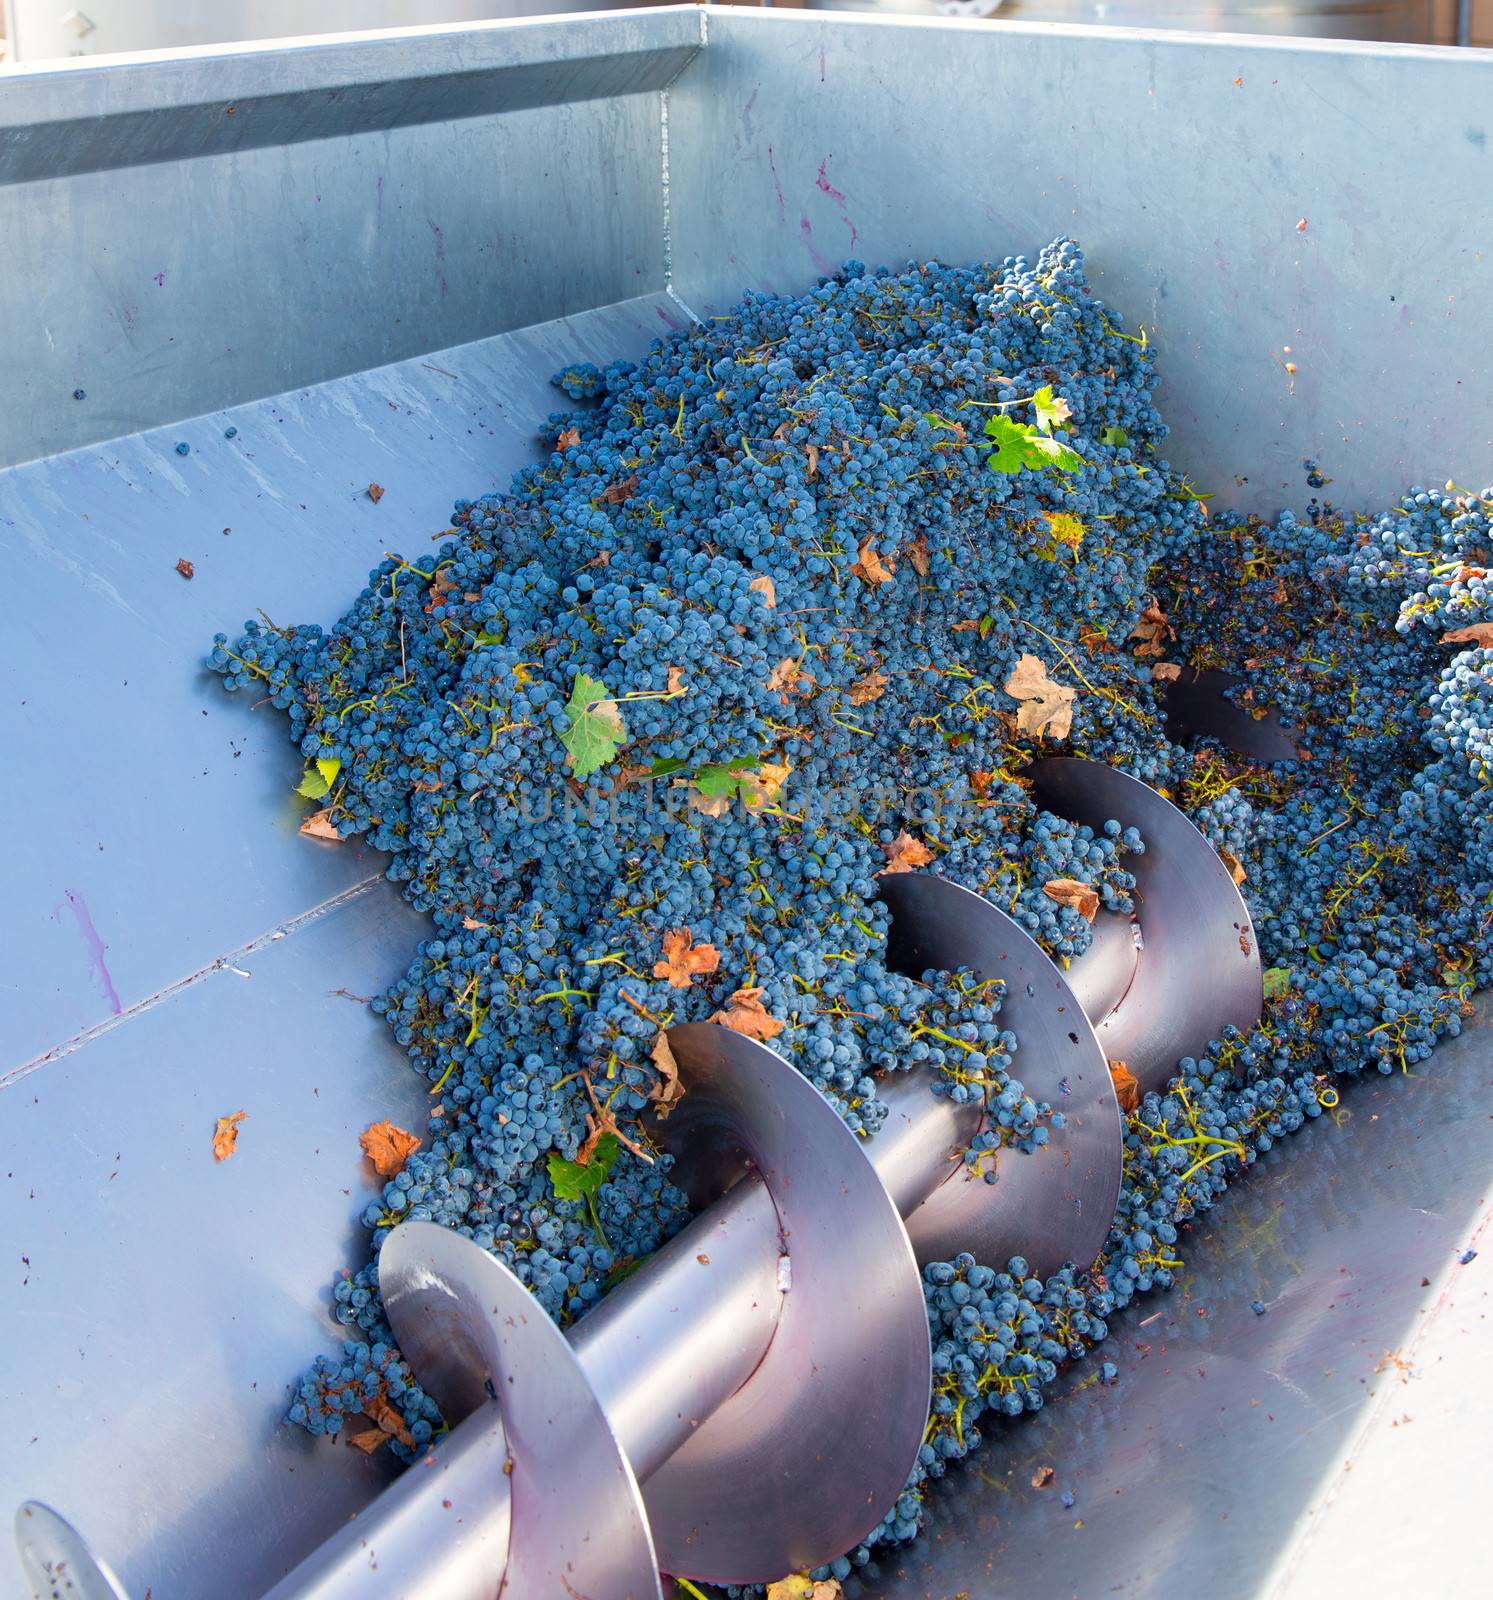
(367,255)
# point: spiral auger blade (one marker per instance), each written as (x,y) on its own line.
(489,1354)
(1199,966)
(1055,1204)
(1196,708)
(709,1416)
(56,1559)
(727,1374)
(795,1467)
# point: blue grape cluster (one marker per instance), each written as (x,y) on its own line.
(762,625)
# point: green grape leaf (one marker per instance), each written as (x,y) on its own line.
(1052,410)
(482,636)
(723,780)
(1047,452)
(572,1181)
(1116,438)
(597,731)
(313,785)
(1009,439)
(329,767)
(666,768)
(1276,981)
(1019,444)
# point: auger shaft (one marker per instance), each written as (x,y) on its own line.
(666,1347)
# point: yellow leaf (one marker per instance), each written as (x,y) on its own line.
(797,1587)
(764,784)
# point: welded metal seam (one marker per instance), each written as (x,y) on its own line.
(665,189)
(219,964)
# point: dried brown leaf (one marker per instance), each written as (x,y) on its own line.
(684,960)
(185,568)
(870,567)
(380,1411)
(1044,1477)
(388,1147)
(980,783)
(709,805)
(1046,706)
(225,1135)
(375,492)
(368,1440)
(675,680)
(969,625)
(1127,1085)
(788,678)
(744,1013)
(1070,892)
(1479,633)
(764,783)
(624,489)
(905,853)
(812,452)
(1153,630)
(669,1090)
(319,826)
(1166,672)
(1234,864)
(568,437)
(869,688)
(764,586)
(917,555)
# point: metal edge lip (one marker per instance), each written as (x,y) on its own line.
(50,1545)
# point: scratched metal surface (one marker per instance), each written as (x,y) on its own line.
(171,945)
(102,691)
(804,138)
(1268,1457)
(159,851)
(185,233)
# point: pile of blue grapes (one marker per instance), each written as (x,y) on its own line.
(763,624)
